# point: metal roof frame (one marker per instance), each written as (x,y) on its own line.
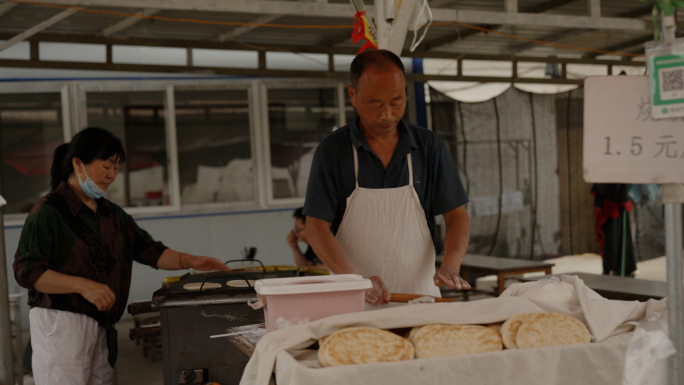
(600,25)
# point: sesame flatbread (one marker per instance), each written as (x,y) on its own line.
(509,329)
(439,340)
(362,345)
(552,329)
(197,285)
(240,283)
(495,326)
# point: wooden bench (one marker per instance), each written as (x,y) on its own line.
(616,287)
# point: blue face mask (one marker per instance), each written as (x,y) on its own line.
(89,187)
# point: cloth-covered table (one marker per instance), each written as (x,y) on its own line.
(288,351)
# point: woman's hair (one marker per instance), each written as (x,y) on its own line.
(90,144)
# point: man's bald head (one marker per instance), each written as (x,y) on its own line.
(381,59)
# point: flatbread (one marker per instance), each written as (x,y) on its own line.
(439,340)
(197,285)
(240,283)
(552,329)
(362,345)
(495,326)
(509,329)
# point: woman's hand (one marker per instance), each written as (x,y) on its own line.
(292,239)
(98,294)
(189,261)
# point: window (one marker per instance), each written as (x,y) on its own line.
(138,119)
(31,129)
(214,146)
(298,120)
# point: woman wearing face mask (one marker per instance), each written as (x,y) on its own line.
(75,256)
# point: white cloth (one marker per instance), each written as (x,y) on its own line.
(600,362)
(384,232)
(68,348)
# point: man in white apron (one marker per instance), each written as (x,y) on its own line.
(374,189)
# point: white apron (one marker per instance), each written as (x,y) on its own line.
(384,232)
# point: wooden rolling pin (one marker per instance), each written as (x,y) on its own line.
(404,297)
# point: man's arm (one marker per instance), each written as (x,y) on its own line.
(327,248)
(455,247)
(330,253)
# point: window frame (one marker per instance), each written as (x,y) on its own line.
(61,88)
(339,88)
(74,99)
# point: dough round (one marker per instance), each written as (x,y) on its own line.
(240,283)
(509,329)
(552,329)
(197,285)
(362,345)
(439,340)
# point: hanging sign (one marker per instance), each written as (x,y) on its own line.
(623,143)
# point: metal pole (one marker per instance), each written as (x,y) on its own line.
(673,247)
(6,354)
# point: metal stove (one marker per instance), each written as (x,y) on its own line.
(189,318)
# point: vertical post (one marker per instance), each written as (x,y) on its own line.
(673,196)
(673,239)
(419,89)
(594,8)
(382,27)
(6,353)
(511,6)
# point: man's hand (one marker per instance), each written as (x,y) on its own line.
(378,295)
(447,275)
(292,239)
(98,294)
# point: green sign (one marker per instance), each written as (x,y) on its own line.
(667,84)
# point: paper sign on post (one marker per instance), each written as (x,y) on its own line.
(623,143)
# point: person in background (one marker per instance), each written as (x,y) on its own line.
(375,188)
(76,255)
(308,258)
(612,205)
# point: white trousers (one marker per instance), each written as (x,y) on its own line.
(68,348)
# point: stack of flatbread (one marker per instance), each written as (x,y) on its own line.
(449,340)
(363,345)
(532,330)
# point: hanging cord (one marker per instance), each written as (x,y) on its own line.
(567,146)
(498,147)
(459,105)
(536,195)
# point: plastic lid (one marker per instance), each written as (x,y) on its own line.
(313,284)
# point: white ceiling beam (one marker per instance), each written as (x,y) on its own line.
(246,28)
(37,28)
(6,7)
(128,22)
(289,8)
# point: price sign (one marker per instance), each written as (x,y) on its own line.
(623,143)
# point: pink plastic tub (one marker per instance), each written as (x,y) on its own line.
(292,301)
